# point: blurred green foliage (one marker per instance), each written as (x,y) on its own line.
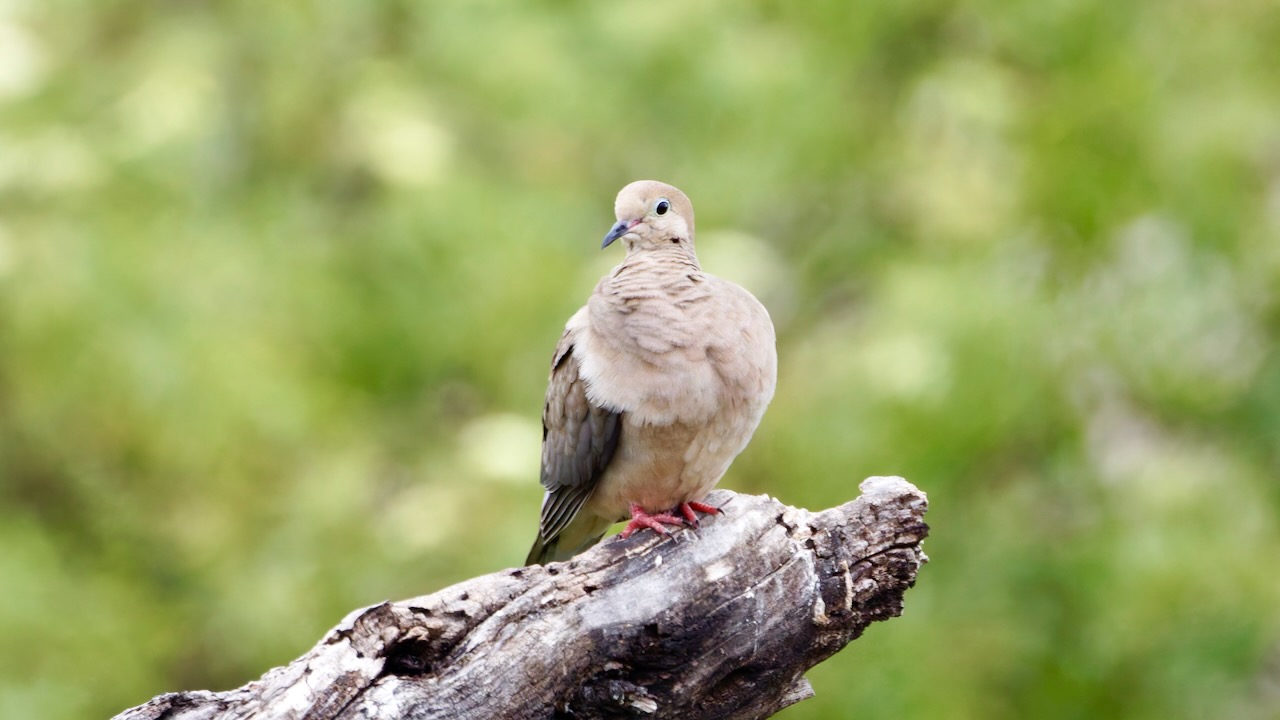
(279,283)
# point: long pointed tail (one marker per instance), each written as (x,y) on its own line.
(541,552)
(581,533)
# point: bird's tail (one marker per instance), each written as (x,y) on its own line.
(581,533)
(542,552)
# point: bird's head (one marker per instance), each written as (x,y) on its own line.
(651,214)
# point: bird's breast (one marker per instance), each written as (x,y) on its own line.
(667,343)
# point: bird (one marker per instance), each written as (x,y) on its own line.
(656,384)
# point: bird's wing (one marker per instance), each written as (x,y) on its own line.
(578,441)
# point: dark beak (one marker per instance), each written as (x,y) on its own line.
(619,229)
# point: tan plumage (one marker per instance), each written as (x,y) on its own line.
(656,385)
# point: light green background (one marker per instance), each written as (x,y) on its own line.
(279,283)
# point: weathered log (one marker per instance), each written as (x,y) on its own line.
(720,622)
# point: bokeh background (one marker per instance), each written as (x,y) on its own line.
(279,283)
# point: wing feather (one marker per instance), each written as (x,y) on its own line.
(578,441)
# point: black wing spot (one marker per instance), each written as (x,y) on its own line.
(556,362)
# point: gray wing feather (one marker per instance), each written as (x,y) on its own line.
(578,441)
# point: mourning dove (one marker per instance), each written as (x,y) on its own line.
(656,384)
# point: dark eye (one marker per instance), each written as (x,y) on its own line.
(661,207)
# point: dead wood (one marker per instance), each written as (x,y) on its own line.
(716,623)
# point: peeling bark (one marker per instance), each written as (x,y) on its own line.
(716,623)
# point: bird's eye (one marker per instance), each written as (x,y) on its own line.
(662,206)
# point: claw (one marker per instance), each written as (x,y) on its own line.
(690,509)
(641,519)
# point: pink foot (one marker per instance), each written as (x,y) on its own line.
(641,519)
(689,509)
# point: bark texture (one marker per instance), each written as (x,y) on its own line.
(716,623)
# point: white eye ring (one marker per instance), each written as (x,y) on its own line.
(662,206)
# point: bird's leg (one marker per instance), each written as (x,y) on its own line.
(689,509)
(641,519)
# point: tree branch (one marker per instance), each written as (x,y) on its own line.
(717,623)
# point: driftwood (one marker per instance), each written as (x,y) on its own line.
(720,622)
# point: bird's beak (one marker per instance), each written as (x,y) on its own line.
(619,229)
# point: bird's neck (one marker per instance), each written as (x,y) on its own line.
(662,274)
(664,256)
